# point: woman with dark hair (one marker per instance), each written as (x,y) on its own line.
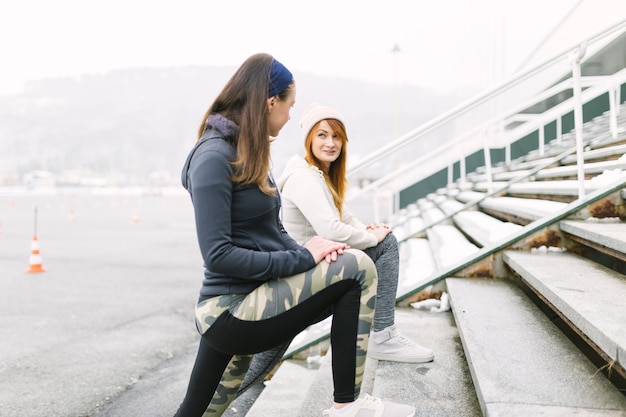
(260,287)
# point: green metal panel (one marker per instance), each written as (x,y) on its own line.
(524,145)
(595,107)
(497,155)
(424,187)
(549,132)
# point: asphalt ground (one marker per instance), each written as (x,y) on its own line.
(108,328)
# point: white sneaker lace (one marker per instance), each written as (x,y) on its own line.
(398,338)
(368,399)
(392,335)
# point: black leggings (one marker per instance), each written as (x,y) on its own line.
(233,329)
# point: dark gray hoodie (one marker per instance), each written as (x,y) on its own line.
(242,240)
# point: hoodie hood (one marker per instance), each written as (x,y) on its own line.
(227,128)
(295,164)
(217,127)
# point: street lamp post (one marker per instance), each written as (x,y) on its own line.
(396,52)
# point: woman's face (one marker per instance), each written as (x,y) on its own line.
(279,111)
(326,145)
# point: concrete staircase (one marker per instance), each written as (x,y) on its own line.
(537,285)
(440,388)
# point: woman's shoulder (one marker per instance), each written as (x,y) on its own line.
(217,145)
(212,151)
(207,158)
(297,168)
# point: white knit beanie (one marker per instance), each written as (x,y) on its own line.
(313,114)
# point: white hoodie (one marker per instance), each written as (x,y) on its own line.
(309,210)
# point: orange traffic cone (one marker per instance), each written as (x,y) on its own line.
(35,257)
(135,218)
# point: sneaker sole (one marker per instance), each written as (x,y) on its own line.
(400,358)
(327,413)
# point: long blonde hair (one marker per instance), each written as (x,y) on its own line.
(336,176)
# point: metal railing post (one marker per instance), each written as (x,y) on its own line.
(613,106)
(575,58)
(487,153)
(462,163)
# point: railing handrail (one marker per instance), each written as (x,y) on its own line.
(529,229)
(472,103)
(589,94)
(495,191)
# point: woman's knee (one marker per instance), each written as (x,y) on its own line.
(366,269)
(390,241)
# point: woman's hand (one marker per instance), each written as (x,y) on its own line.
(377,225)
(379,230)
(322,248)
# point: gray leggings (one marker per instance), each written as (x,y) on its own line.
(387,260)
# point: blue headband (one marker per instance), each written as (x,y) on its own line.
(280,77)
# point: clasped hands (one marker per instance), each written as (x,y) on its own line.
(379,230)
(324,249)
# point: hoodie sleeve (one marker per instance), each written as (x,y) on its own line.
(308,191)
(289,241)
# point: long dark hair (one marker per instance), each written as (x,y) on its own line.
(243,100)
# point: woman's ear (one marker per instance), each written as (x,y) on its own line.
(271,103)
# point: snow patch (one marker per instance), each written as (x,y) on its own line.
(434,305)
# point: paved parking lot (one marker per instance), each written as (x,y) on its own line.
(113,308)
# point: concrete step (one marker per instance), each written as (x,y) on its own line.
(521,363)
(588,295)
(480,227)
(284,394)
(319,396)
(567,169)
(409,228)
(416,263)
(608,152)
(524,210)
(557,190)
(442,388)
(590,168)
(606,236)
(448,245)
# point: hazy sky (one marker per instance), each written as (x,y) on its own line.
(442,44)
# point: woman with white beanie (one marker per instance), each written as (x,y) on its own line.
(313,192)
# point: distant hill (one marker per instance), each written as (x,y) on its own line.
(133,126)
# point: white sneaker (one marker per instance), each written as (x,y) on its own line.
(390,345)
(368,406)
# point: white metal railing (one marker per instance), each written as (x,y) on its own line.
(492,120)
